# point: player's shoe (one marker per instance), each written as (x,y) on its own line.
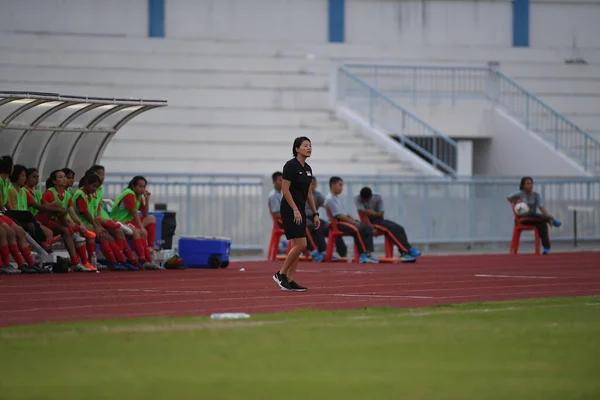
(297,288)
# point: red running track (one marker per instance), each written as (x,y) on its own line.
(29,299)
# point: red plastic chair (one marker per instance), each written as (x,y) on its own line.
(276,235)
(516,236)
(389,245)
(334,233)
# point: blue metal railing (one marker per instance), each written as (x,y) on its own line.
(381,112)
(460,82)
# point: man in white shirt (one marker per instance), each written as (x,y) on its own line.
(319,235)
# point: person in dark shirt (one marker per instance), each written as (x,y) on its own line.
(526,195)
(371,205)
(297,176)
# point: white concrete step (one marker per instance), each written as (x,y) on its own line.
(161,62)
(164,149)
(546,86)
(128,79)
(143,164)
(222,47)
(562,71)
(573,103)
(239,135)
(276,99)
(191,117)
(584,121)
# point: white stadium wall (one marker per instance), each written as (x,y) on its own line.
(430,22)
(565,23)
(551,23)
(516,151)
(86,17)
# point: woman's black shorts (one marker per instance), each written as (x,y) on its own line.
(291,229)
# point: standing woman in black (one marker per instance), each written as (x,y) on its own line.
(297,176)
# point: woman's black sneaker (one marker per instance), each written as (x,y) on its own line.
(297,288)
(282,281)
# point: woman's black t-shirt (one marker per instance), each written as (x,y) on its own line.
(300,178)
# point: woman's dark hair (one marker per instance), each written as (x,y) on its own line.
(297,143)
(52,178)
(31,171)
(523,180)
(333,180)
(135,181)
(68,171)
(89,179)
(366,193)
(6,164)
(94,168)
(17,171)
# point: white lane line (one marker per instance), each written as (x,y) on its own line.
(384,296)
(515,276)
(165,291)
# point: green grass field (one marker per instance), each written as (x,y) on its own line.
(536,349)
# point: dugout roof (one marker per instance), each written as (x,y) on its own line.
(50,131)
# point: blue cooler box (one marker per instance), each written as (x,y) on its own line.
(204,251)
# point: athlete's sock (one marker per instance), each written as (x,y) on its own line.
(107,252)
(117,252)
(16,254)
(5,253)
(26,251)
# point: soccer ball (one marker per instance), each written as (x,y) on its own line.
(521,208)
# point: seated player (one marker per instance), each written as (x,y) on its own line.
(87,211)
(58,224)
(33,179)
(371,206)
(362,233)
(70,174)
(134,199)
(21,203)
(526,195)
(13,242)
(319,234)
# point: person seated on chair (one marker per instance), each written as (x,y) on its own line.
(321,233)
(70,174)
(59,221)
(13,240)
(274,199)
(87,211)
(362,233)
(526,195)
(371,205)
(31,184)
(133,200)
(21,203)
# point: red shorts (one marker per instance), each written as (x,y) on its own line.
(51,224)
(7,221)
